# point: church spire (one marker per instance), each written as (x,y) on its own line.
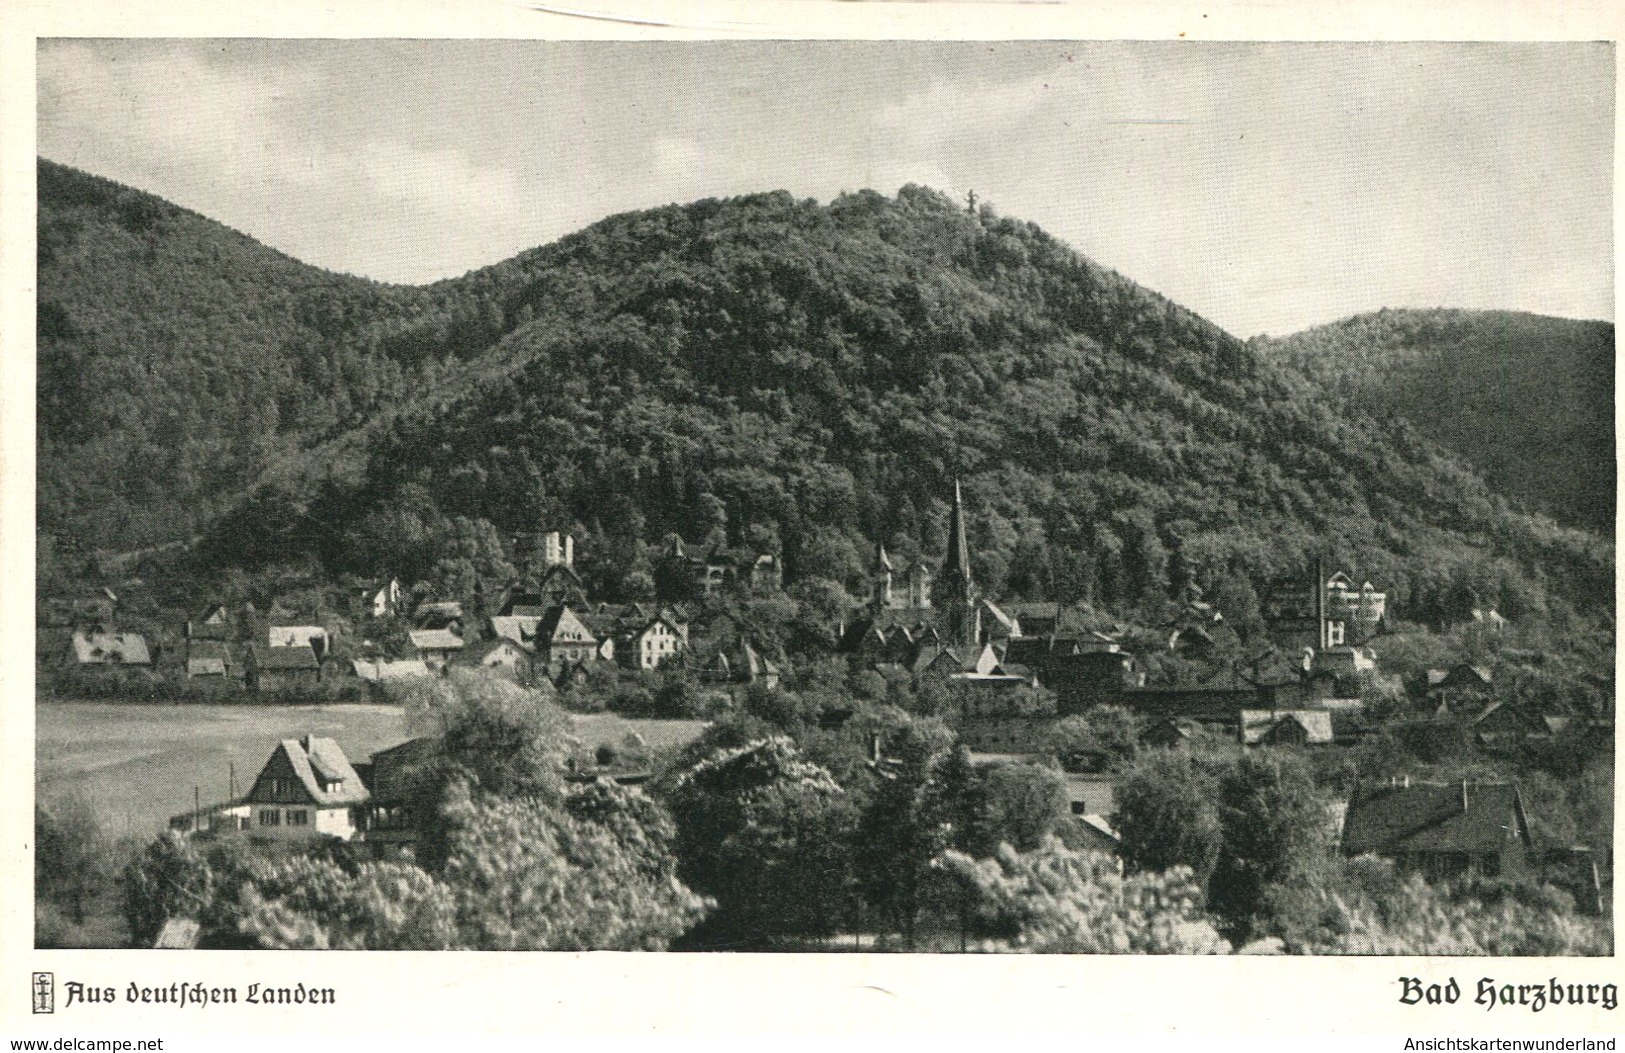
(956,568)
(963,619)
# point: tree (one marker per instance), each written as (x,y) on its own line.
(170,879)
(596,873)
(1107,736)
(510,740)
(1275,830)
(1367,906)
(71,855)
(1167,815)
(1024,804)
(911,817)
(307,903)
(1054,900)
(527,875)
(765,832)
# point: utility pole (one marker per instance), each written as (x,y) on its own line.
(970,202)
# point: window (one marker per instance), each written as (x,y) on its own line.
(270,817)
(298,817)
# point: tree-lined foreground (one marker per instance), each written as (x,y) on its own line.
(752,838)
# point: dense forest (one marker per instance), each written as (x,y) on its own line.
(1528,401)
(759,370)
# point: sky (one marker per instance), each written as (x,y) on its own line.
(1268,187)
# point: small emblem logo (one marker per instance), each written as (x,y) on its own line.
(44,987)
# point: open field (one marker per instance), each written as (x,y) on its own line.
(137,764)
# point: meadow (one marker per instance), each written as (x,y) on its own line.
(137,764)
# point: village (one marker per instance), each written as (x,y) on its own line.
(1006,677)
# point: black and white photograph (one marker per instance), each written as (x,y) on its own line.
(1081,497)
(837,499)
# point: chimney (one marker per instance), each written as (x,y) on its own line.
(1319,599)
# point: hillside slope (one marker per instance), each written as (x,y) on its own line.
(1526,400)
(761,370)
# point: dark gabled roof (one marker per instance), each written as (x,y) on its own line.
(1460,675)
(560,618)
(1503,715)
(561,570)
(1265,725)
(437,614)
(525,604)
(284,658)
(317,762)
(207,649)
(1028,650)
(476,654)
(1434,817)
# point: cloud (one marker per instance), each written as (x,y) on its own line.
(251,143)
(946,111)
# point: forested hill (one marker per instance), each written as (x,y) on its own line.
(761,369)
(1527,400)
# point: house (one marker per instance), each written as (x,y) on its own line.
(375,670)
(520,628)
(312,636)
(212,623)
(499,654)
(98,646)
(438,614)
(401,781)
(561,584)
(1442,830)
(95,607)
(307,790)
(1036,619)
(208,659)
(523,603)
(1462,682)
(1091,794)
(280,668)
(435,646)
(1285,727)
(652,644)
(1166,732)
(1092,832)
(1000,624)
(1506,723)
(380,599)
(746,667)
(563,639)
(681,576)
(1331,613)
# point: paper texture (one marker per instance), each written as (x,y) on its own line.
(648,994)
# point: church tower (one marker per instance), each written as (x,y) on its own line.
(881,578)
(956,591)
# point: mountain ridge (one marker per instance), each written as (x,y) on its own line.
(1526,399)
(803,376)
